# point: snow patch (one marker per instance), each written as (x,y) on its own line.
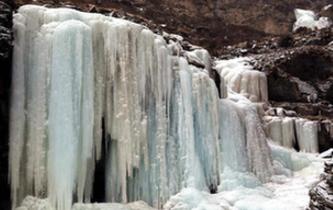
(308,19)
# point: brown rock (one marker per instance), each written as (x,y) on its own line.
(209,23)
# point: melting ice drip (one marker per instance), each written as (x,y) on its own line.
(164,125)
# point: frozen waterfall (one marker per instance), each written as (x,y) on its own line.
(88,87)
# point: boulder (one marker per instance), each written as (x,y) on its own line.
(321,196)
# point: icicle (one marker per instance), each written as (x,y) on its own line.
(70,112)
(29,95)
(100,78)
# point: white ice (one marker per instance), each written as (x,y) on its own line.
(292,131)
(284,191)
(74,69)
(308,19)
(240,76)
(33,203)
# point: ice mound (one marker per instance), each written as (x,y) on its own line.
(308,19)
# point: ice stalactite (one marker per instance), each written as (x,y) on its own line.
(70,121)
(58,108)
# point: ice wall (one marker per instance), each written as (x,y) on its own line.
(165,126)
(242,134)
(291,132)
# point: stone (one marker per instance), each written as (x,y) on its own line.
(321,195)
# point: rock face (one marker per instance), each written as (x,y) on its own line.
(5,66)
(322,194)
(208,23)
(302,74)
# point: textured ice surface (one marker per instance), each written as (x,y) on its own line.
(308,19)
(33,203)
(240,77)
(75,70)
(242,134)
(193,199)
(283,192)
(291,131)
(138,205)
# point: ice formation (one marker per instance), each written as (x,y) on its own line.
(33,203)
(308,19)
(292,131)
(288,189)
(241,135)
(79,79)
(240,77)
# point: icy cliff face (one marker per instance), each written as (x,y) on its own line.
(164,124)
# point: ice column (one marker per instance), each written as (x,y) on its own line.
(292,131)
(70,112)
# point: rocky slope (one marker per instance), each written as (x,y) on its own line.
(208,23)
